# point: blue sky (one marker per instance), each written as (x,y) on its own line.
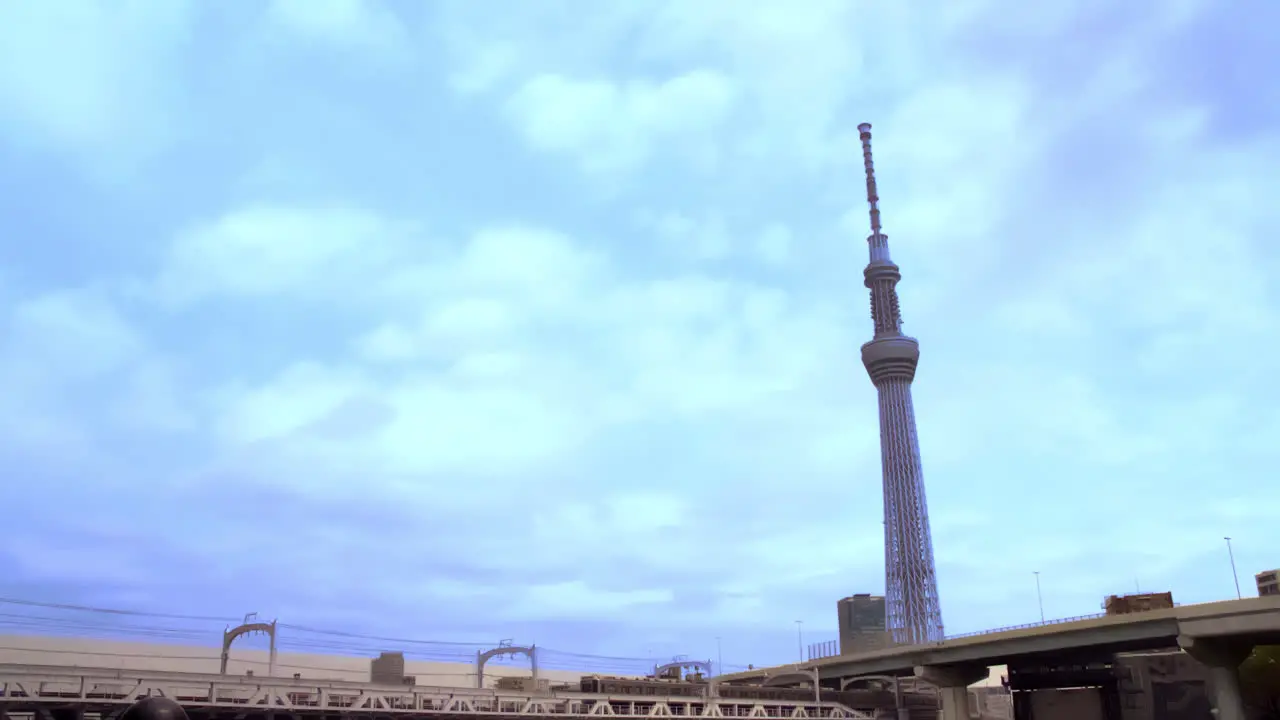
(483,320)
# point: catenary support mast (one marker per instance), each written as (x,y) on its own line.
(911,584)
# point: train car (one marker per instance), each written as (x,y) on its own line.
(648,687)
(860,699)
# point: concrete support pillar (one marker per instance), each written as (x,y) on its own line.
(953,687)
(899,703)
(1222,656)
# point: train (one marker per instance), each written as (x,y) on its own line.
(694,686)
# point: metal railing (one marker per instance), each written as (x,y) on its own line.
(825,649)
(1025,626)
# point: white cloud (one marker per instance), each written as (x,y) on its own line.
(516,348)
(91,78)
(152,400)
(65,348)
(72,335)
(259,252)
(388,343)
(610,127)
(687,237)
(577,600)
(774,245)
(303,395)
(489,64)
(347,24)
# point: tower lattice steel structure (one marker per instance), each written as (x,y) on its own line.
(911,584)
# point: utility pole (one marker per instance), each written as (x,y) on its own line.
(1039,597)
(800,638)
(1234,575)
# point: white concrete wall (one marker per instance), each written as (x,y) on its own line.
(994,675)
(81,652)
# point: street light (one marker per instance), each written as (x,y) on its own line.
(1234,575)
(1039,597)
(800,638)
(719,658)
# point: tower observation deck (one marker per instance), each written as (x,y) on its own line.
(914,614)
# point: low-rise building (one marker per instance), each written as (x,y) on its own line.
(1268,582)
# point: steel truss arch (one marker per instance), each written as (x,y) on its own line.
(485,656)
(248,628)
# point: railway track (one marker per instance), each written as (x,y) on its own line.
(80,693)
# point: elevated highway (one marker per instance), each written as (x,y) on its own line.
(1219,635)
(1251,621)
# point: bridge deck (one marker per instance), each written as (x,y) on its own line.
(103,692)
(1256,618)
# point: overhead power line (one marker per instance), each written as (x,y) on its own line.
(109,611)
(342,641)
(341,633)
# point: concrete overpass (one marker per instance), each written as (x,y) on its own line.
(1219,635)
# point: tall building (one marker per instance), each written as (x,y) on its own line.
(862,623)
(1268,582)
(911,584)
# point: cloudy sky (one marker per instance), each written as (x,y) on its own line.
(480,320)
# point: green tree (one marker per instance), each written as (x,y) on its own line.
(1260,682)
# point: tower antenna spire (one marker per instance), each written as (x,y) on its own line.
(873,197)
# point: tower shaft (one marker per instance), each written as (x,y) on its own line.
(914,613)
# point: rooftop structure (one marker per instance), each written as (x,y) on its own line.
(1268,582)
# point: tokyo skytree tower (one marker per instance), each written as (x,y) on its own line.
(911,584)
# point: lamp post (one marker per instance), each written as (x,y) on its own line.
(800,639)
(1234,575)
(1039,597)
